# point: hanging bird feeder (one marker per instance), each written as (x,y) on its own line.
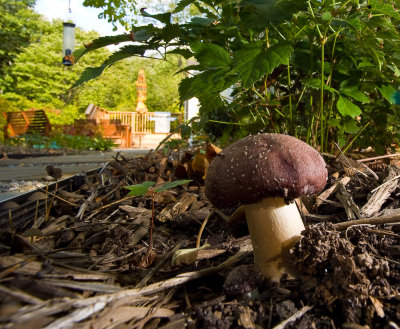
(68,43)
(68,40)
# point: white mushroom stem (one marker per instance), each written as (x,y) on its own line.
(274,228)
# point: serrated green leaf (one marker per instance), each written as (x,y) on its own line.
(139,189)
(385,8)
(173,184)
(365,64)
(211,55)
(334,122)
(253,61)
(260,13)
(379,57)
(186,53)
(350,126)
(313,83)
(163,18)
(213,81)
(88,74)
(182,5)
(126,52)
(387,92)
(356,94)
(100,43)
(347,108)
(201,21)
(354,23)
(326,16)
(142,35)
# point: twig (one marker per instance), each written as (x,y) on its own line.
(391,219)
(20,295)
(77,316)
(294,317)
(202,229)
(379,157)
(162,285)
(56,196)
(385,183)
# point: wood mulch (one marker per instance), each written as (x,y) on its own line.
(81,257)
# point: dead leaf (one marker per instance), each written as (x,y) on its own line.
(165,197)
(173,210)
(212,151)
(378,306)
(186,256)
(121,314)
(200,164)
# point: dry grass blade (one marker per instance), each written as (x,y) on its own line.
(392,219)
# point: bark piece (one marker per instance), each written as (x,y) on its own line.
(382,193)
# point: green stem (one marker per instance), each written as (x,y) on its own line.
(355,137)
(290,101)
(322,122)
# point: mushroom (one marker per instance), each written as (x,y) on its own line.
(265,172)
(10,206)
(37,197)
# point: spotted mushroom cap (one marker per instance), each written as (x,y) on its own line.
(264,165)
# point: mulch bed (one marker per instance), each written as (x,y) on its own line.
(87,264)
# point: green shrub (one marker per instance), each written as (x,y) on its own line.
(62,141)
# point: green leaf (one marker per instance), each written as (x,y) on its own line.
(347,108)
(385,8)
(202,21)
(379,57)
(350,126)
(333,122)
(213,81)
(253,61)
(173,184)
(326,16)
(356,94)
(182,5)
(126,52)
(313,83)
(89,73)
(142,35)
(139,189)
(387,92)
(186,53)
(211,55)
(100,43)
(163,18)
(260,13)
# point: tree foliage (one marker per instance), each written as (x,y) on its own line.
(323,71)
(115,11)
(18,28)
(37,78)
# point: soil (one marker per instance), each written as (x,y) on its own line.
(91,257)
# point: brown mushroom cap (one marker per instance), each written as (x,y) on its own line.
(37,196)
(264,165)
(9,205)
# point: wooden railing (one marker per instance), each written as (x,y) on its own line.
(26,122)
(139,123)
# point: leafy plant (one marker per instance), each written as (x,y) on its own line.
(62,141)
(147,188)
(323,71)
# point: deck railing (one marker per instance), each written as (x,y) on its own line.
(139,123)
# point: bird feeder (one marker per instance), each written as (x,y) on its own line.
(68,43)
